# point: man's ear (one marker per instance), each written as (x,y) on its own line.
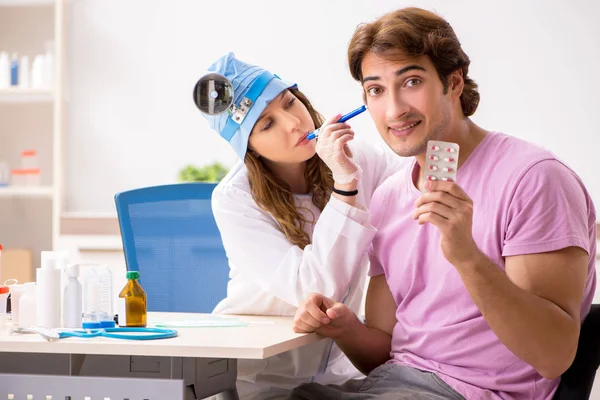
(456,83)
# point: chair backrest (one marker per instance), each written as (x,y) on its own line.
(170,236)
(576,383)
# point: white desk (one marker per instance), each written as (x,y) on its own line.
(199,362)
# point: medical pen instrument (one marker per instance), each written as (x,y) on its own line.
(344,118)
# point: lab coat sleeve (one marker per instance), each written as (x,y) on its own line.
(356,213)
(255,244)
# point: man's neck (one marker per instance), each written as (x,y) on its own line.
(293,174)
(466,134)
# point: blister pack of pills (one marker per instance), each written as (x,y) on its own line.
(441,161)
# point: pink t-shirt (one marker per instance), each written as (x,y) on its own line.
(525,201)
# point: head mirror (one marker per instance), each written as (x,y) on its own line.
(213,94)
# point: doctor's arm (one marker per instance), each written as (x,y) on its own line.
(255,244)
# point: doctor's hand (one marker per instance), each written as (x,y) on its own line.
(332,148)
(322,315)
(450,209)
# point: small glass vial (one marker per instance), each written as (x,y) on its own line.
(132,302)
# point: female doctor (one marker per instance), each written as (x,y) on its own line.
(293,218)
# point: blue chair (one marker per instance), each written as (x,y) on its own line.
(170,236)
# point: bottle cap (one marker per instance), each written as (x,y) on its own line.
(48,259)
(4,289)
(133,275)
(73,270)
(62,259)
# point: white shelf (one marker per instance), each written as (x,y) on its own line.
(16,95)
(23,3)
(27,191)
(92,242)
(90,214)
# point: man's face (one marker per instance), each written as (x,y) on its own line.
(407,102)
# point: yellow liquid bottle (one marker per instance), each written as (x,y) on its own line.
(132,302)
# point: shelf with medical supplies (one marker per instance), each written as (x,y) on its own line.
(32,103)
(27,191)
(19,95)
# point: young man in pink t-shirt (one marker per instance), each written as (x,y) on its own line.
(478,287)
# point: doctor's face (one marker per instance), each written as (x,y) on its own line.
(279,134)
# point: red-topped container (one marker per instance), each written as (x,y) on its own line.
(26,177)
(29,159)
(4,290)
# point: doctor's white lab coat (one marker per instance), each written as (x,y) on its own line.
(271,276)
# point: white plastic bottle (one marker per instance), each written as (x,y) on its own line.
(48,71)
(4,70)
(48,292)
(73,299)
(24,71)
(28,307)
(37,72)
(62,259)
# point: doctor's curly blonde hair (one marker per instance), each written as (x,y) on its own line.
(274,195)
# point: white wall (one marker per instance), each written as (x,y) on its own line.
(133,64)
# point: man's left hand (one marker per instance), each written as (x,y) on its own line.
(448,207)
